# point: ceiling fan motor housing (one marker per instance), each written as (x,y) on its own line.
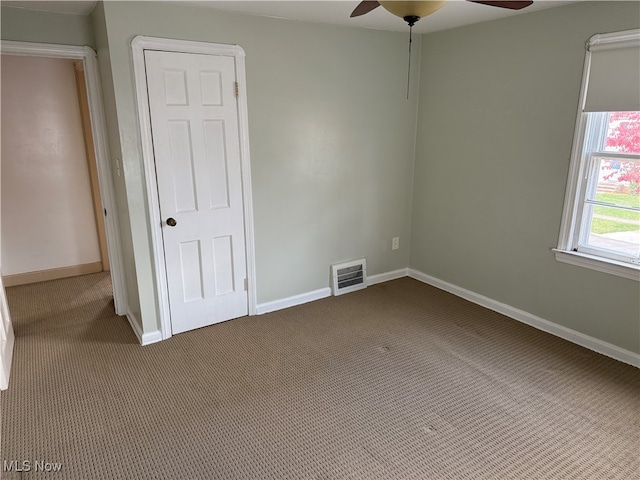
(412,9)
(411,20)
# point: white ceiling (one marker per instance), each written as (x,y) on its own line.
(454,14)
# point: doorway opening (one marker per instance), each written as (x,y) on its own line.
(97,247)
(82,234)
(52,214)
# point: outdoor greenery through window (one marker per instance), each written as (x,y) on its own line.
(610,223)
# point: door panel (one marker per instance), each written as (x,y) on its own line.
(182,168)
(194,120)
(223,261)
(190,263)
(211,88)
(217,164)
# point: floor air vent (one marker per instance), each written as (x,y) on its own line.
(348,277)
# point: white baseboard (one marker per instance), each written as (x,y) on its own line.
(573,336)
(143,338)
(51,274)
(322,293)
(151,337)
(292,301)
(385,277)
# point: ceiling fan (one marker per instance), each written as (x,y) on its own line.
(411,12)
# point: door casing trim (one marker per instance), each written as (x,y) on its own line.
(101,149)
(138,45)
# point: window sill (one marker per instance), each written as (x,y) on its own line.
(600,264)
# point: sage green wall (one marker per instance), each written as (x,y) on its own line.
(332,149)
(498,104)
(332,141)
(124,223)
(23,25)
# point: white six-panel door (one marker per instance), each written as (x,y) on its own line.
(194,122)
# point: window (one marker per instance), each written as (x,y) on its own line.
(610,217)
(601,219)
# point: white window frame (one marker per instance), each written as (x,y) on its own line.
(588,141)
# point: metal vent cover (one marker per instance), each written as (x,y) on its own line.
(349,276)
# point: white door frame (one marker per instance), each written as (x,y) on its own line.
(101,148)
(6,340)
(139,44)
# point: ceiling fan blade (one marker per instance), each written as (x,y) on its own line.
(504,4)
(364,7)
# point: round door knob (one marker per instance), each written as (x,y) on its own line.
(171,222)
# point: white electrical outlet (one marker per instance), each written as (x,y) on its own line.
(395,243)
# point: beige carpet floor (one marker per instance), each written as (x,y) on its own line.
(398,381)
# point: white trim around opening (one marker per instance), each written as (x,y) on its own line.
(101,149)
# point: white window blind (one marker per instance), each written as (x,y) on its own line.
(613,83)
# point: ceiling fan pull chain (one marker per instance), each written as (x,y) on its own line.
(409,69)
